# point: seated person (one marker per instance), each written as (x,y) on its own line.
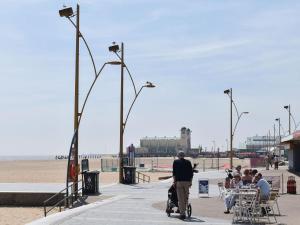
(238,169)
(253,173)
(263,187)
(247,177)
(235,183)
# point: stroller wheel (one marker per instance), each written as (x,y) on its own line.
(168,208)
(189,210)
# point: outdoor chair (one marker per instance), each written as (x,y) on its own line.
(267,206)
(274,199)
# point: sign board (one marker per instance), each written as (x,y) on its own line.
(203,187)
(85,165)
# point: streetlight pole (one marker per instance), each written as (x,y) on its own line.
(232,131)
(68,12)
(76,102)
(115,48)
(279,125)
(288,108)
(121,165)
(229,93)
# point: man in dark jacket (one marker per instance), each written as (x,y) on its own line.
(182,175)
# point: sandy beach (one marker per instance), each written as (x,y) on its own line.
(44,171)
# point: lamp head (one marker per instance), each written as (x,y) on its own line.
(277,119)
(227,91)
(114,47)
(114,62)
(286,106)
(149,85)
(66,12)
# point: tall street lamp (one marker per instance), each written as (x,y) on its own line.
(232,131)
(68,12)
(115,48)
(72,165)
(229,93)
(288,108)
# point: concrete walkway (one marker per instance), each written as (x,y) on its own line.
(132,205)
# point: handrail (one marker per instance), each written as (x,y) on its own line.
(143,179)
(60,201)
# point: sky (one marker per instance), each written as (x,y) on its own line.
(191,50)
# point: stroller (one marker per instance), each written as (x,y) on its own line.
(172,201)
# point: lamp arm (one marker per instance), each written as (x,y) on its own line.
(237,123)
(237,112)
(124,124)
(128,73)
(294,121)
(297,126)
(87,46)
(88,94)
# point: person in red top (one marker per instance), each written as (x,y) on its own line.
(182,175)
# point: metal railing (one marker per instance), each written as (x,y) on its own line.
(144,177)
(65,199)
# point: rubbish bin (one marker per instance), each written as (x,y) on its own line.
(291,185)
(90,182)
(129,174)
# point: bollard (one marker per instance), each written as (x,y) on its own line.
(291,185)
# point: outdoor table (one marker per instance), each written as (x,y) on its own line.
(245,204)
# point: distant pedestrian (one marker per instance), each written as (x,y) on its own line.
(182,175)
(276,162)
(267,162)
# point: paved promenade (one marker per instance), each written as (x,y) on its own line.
(132,205)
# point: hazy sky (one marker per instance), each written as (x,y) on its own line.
(192,50)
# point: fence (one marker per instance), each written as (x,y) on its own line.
(166,163)
(109,164)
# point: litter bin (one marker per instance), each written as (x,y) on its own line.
(90,182)
(129,174)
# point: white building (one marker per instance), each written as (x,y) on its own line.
(164,146)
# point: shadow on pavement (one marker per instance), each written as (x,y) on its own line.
(191,219)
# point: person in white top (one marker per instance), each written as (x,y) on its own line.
(236,183)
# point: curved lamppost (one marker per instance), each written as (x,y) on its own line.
(116,49)
(280,127)
(288,108)
(239,117)
(72,166)
(232,131)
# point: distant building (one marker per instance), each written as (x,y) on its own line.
(292,145)
(261,143)
(164,146)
